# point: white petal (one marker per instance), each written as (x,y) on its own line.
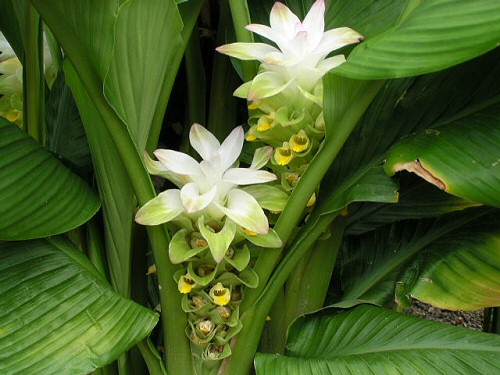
(335,39)
(309,78)
(278,58)
(230,149)
(267,33)
(244,210)
(178,162)
(157,168)
(161,209)
(330,63)
(193,201)
(247,51)
(283,21)
(301,45)
(267,84)
(204,142)
(314,23)
(261,156)
(212,172)
(247,176)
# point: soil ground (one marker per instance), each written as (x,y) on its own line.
(467,319)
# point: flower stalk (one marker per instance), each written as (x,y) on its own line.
(215,222)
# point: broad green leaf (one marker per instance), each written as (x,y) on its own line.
(460,272)
(147,49)
(405,106)
(65,133)
(370,186)
(417,199)
(462,158)
(371,340)
(11,23)
(368,17)
(431,36)
(40,197)
(123,45)
(114,186)
(61,317)
(85,29)
(375,261)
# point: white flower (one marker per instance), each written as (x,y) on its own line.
(208,189)
(301,53)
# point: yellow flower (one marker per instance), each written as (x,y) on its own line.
(220,295)
(283,155)
(186,284)
(299,142)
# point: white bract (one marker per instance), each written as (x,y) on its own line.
(301,56)
(208,189)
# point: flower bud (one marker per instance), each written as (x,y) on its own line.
(205,327)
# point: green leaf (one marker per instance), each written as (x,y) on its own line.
(405,106)
(65,133)
(417,199)
(431,36)
(461,158)
(114,185)
(368,17)
(147,49)
(370,340)
(40,197)
(61,316)
(105,39)
(471,255)
(12,20)
(369,186)
(374,262)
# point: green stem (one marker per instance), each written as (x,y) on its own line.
(177,351)
(151,357)
(95,249)
(307,286)
(345,115)
(34,102)
(241,18)
(177,346)
(254,318)
(346,101)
